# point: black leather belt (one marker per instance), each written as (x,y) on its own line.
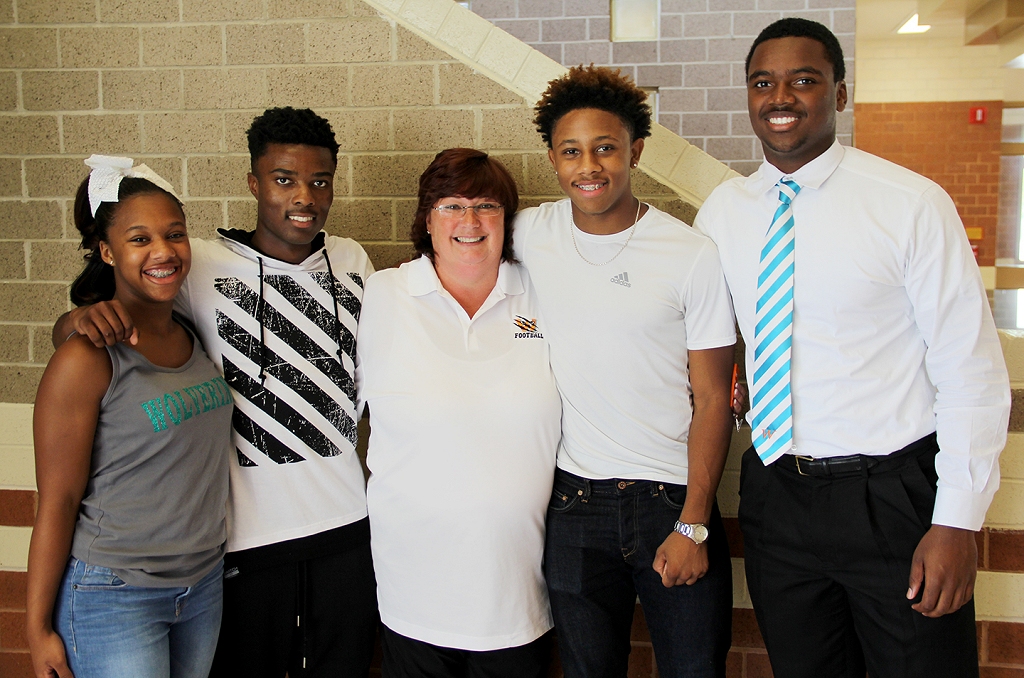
(853,463)
(827,466)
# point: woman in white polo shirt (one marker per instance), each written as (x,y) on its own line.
(465,424)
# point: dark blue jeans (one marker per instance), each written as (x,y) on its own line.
(602,536)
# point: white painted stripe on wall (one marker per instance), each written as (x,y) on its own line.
(17,466)
(14,548)
(999,596)
(1007,510)
(1011,461)
(988,276)
(16,426)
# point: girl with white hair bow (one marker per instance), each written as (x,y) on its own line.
(131,445)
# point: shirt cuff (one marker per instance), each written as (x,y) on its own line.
(959,508)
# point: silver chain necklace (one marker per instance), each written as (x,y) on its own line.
(572,232)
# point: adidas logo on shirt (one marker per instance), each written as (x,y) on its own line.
(621,279)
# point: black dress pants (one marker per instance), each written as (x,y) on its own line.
(828,567)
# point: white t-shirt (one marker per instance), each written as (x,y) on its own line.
(619,336)
(892,333)
(464,419)
(295,472)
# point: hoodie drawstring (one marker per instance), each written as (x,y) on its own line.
(334,297)
(261,305)
(302,574)
(263,330)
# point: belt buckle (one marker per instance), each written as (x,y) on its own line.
(798,458)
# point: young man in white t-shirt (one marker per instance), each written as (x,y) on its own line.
(641,333)
(276,309)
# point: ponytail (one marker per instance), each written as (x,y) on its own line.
(96,281)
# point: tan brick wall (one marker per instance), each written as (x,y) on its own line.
(175,83)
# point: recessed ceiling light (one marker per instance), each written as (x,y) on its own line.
(911,26)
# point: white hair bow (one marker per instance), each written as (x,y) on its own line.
(107,173)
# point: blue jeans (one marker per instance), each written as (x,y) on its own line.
(602,536)
(113,630)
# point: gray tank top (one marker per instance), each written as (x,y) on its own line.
(154,508)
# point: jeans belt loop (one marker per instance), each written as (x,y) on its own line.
(586,490)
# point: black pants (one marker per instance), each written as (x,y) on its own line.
(316,617)
(408,658)
(828,567)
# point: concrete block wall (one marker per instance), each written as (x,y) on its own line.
(175,83)
(696,64)
(938,140)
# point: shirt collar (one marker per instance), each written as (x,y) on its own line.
(811,175)
(422,278)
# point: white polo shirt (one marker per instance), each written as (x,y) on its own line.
(464,418)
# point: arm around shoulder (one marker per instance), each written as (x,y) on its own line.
(104,324)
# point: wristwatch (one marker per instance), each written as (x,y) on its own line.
(698,532)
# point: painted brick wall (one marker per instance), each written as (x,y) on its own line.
(175,83)
(937,140)
(927,66)
(696,64)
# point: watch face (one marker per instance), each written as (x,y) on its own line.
(700,533)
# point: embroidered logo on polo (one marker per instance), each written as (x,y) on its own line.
(621,279)
(300,407)
(528,327)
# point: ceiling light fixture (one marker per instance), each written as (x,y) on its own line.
(911,26)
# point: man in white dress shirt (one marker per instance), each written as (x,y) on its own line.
(879,395)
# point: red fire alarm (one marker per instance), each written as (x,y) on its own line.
(978,115)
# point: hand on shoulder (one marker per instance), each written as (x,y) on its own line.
(104,323)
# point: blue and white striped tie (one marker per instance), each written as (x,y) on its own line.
(771,405)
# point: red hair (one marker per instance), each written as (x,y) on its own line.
(466,173)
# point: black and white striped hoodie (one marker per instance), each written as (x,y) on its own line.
(284,336)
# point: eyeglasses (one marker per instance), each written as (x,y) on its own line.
(484,209)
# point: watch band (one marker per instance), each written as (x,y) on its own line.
(697,532)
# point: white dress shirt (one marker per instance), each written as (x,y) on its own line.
(893,337)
